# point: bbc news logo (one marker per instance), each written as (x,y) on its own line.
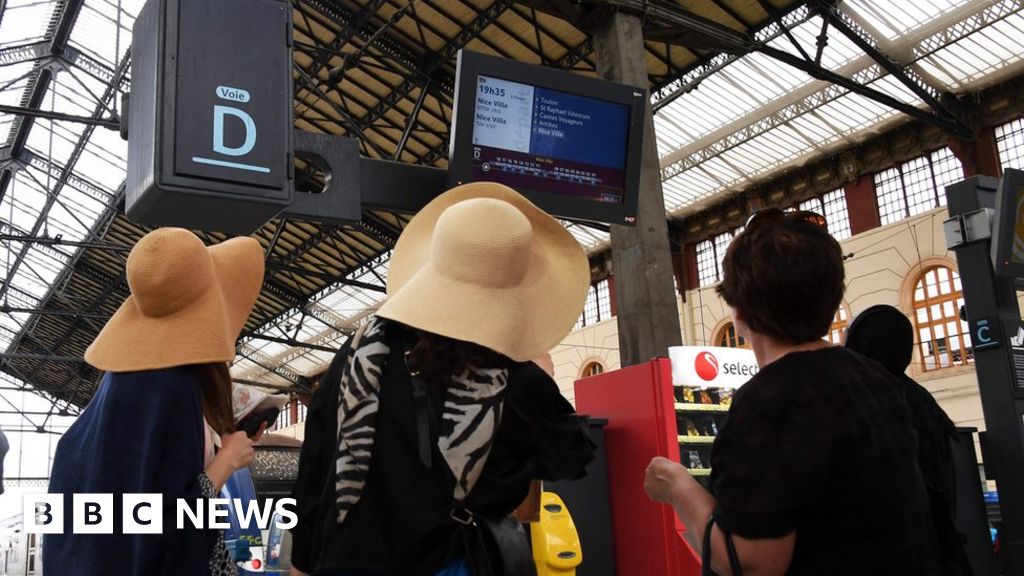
(144,513)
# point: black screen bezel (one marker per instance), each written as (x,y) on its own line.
(1005,224)
(460,169)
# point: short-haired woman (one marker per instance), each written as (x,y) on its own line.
(814,471)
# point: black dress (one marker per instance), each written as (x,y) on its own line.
(402,524)
(821,443)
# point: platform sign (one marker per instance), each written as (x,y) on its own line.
(210,114)
(712,366)
(230,122)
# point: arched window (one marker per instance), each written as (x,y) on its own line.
(839,324)
(592,368)
(728,338)
(942,337)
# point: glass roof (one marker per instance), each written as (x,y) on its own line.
(758,115)
(328,318)
(26,21)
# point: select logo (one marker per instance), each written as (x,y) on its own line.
(706,366)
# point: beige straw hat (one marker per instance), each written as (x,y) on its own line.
(188,303)
(481,263)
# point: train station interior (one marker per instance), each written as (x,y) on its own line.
(863,111)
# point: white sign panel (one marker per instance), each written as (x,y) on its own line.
(711,366)
(502,116)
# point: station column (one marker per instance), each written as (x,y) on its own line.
(648,317)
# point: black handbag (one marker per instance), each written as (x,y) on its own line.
(730,547)
(495,547)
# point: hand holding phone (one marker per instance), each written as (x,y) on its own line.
(251,423)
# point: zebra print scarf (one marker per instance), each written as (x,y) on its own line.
(471,415)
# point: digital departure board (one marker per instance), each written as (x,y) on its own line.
(571,144)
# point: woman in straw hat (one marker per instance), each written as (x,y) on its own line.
(153,424)
(431,423)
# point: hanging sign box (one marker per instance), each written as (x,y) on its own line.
(210,114)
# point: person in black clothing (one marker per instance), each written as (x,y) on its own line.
(431,422)
(813,471)
(885,335)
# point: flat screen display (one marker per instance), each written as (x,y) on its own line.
(550,141)
(1008,233)
(569,143)
(1017,253)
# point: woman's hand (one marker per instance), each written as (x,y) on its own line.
(235,452)
(297,572)
(664,478)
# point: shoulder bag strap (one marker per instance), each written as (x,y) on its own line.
(424,410)
(730,548)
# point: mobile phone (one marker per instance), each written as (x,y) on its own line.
(251,423)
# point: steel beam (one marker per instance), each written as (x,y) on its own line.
(27,482)
(433,62)
(43,357)
(108,123)
(24,53)
(76,181)
(337,14)
(967,25)
(265,363)
(260,384)
(273,266)
(7,309)
(58,241)
(924,43)
(407,60)
(288,341)
(111,284)
(108,94)
(749,131)
(411,122)
(952,112)
(701,70)
(350,28)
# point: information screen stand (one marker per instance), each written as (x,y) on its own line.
(994,319)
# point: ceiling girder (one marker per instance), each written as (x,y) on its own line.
(434,62)
(944,104)
(52,195)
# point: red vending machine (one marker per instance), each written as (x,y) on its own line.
(639,404)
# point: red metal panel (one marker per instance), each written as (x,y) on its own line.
(639,406)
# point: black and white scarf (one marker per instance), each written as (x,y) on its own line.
(472,412)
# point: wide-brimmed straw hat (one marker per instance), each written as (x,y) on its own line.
(481,263)
(188,303)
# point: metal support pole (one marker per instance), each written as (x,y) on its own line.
(994,316)
(648,316)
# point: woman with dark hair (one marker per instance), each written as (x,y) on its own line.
(161,410)
(885,335)
(814,471)
(431,423)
